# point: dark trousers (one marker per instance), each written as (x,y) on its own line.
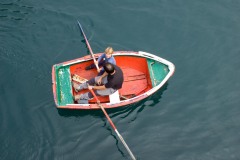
(100,64)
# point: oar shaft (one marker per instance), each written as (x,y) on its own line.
(125,145)
(113,126)
(89,47)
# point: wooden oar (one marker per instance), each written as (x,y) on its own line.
(89,47)
(113,126)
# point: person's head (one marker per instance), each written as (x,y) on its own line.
(109,68)
(109,52)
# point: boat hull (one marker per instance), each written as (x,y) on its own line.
(144,74)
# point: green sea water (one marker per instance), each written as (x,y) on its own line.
(195,116)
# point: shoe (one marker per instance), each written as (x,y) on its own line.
(82,101)
(88,67)
(75,86)
(76,97)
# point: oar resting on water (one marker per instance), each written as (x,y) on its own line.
(112,124)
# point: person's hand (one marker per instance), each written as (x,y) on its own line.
(90,87)
(99,81)
(96,63)
(98,70)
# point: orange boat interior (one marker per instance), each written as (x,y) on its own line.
(136,76)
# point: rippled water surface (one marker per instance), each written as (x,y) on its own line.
(195,116)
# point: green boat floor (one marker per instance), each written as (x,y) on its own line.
(157,70)
(64,86)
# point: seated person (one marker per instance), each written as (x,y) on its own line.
(109,82)
(104,58)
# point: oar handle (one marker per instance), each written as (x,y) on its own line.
(89,47)
(113,126)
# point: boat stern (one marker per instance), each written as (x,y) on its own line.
(61,84)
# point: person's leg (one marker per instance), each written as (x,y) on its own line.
(88,95)
(84,85)
(91,66)
(104,80)
(105,92)
(85,96)
(77,87)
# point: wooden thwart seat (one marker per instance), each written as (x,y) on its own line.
(134,83)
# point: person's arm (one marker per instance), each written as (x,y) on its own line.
(112,60)
(101,77)
(99,82)
(101,57)
(98,61)
(104,75)
(98,87)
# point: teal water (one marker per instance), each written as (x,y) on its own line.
(194,117)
